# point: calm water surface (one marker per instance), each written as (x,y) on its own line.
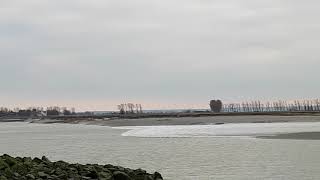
(194,152)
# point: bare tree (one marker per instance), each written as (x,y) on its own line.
(216,105)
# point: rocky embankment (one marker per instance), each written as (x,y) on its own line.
(27,168)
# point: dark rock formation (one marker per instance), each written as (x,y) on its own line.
(27,169)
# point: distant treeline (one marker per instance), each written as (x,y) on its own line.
(275,106)
(37,111)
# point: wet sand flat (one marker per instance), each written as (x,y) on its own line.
(297,136)
(206,120)
(186,120)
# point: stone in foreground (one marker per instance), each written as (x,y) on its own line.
(28,169)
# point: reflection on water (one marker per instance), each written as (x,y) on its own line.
(176,158)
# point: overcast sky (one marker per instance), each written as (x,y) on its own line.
(94,54)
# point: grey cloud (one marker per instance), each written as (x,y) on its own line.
(183,51)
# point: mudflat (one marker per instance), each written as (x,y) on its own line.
(185,120)
(297,136)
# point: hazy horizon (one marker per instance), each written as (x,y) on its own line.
(93,55)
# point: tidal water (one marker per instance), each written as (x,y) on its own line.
(199,152)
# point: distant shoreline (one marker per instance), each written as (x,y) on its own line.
(164,115)
(211,120)
(189,114)
(204,120)
(156,119)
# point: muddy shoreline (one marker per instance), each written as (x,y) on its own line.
(216,120)
(295,136)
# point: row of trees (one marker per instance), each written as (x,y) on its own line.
(279,106)
(60,110)
(130,108)
(37,111)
